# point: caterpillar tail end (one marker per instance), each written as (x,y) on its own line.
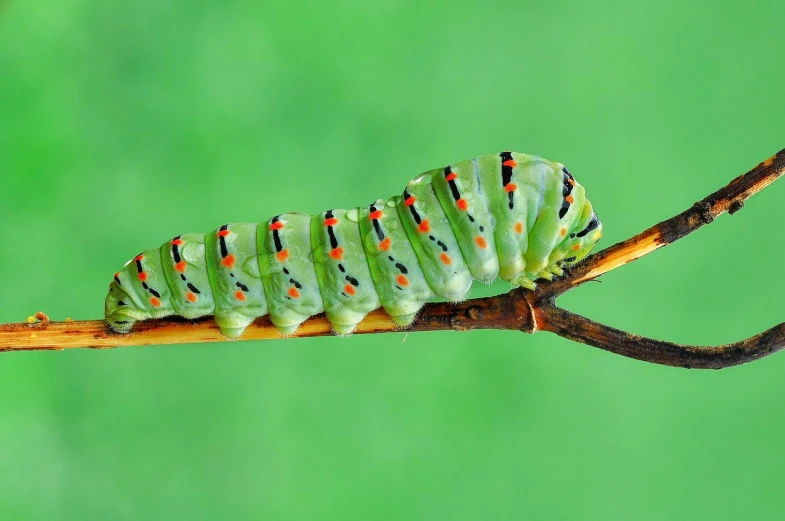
(120,325)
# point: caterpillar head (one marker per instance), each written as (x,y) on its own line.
(584,234)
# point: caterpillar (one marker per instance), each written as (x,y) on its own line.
(515,216)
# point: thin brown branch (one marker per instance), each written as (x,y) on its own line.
(517,310)
(507,311)
(729,199)
(581,329)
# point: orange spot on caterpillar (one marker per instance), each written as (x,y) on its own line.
(177,242)
(117,275)
(481,242)
(571,181)
(385,244)
(451,176)
(349,289)
(510,162)
(409,201)
(576,247)
(282,255)
(228,261)
(403,281)
(180,266)
(223,233)
(563,232)
(337,253)
(376,215)
(462,204)
(143,276)
(510,187)
(277,225)
(519,227)
(138,258)
(445,259)
(239,295)
(294,293)
(155,302)
(332,221)
(424,227)
(570,199)
(191,297)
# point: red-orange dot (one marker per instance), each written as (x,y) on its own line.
(277,225)
(239,295)
(481,242)
(385,244)
(349,289)
(177,242)
(180,266)
(576,247)
(223,233)
(282,255)
(378,214)
(117,275)
(337,253)
(519,227)
(445,259)
(191,297)
(138,258)
(510,187)
(570,199)
(425,226)
(451,176)
(563,232)
(403,281)
(332,221)
(155,302)
(143,276)
(294,293)
(510,162)
(462,204)
(409,201)
(228,261)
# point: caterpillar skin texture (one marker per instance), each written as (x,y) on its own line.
(514,216)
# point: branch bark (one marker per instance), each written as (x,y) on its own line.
(521,310)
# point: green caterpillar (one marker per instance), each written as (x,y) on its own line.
(514,216)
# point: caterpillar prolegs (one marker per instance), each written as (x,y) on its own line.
(514,216)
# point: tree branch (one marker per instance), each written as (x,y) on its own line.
(521,310)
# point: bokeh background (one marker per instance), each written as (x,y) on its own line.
(123,124)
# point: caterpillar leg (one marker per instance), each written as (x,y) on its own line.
(403,320)
(525,282)
(233,324)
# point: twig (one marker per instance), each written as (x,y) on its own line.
(522,310)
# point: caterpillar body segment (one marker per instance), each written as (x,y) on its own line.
(348,290)
(184,265)
(516,216)
(463,196)
(397,275)
(288,270)
(433,240)
(232,261)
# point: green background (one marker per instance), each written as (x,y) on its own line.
(123,124)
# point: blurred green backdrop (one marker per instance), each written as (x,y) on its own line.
(123,124)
